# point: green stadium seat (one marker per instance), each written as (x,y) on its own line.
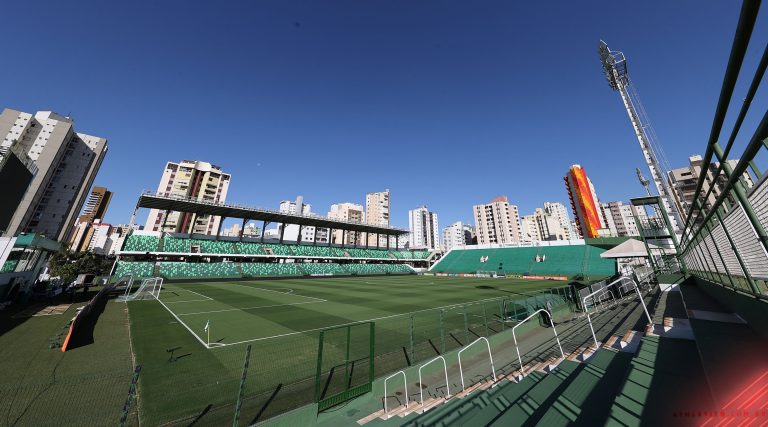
(176,244)
(278,249)
(270,269)
(9,266)
(249,248)
(365,269)
(213,246)
(185,270)
(137,269)
(139,243)
(324,268)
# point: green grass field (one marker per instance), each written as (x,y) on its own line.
(186,376)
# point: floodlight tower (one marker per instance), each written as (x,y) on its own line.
(643,181)
(615,69)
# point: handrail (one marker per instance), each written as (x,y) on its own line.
(493,368)
(447,387)
(620,279)
(514,337)
(586,309)
(405,387)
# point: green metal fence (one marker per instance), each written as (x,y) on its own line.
(724,238)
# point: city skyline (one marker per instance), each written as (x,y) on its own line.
(497,96)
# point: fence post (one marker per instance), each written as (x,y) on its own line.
(485,321)
(442,333)
(411,337)
(131,396)
(466,327)
(346,359)
(501,309)
(241,390)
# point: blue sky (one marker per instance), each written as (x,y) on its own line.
(447,104)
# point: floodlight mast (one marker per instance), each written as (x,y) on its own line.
(615,69)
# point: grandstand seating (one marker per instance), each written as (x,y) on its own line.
(396,269)
(139,243)
(270,269)
(136,268)
(213,246)
(278,249)
(558,261)
(176,244)
(319,251)
(324,268)
(365,268)
(9,266)
(249,248)
(182,270)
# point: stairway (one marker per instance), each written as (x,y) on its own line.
(639,374)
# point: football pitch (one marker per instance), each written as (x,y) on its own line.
(188,367)
(241,312)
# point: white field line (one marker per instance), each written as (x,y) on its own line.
(207,298)
(269,290)
(189,300)
(184,324)
(358,321)
(249,308)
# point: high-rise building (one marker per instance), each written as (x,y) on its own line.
(457,235)
(95,208)
(621,218)
(193,180)
(350,212)
(560,213)
(96,205)
(16,173)
(542,226)
(377,210)
(66,161)
(683,182)
(497,222)
(424,229)
(529,231)
(584,202)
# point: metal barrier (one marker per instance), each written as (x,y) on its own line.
(405,387)
(493,368)
(586,309)
(421,388)
(514,337)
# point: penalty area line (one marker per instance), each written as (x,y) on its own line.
(249,308)
(184,324)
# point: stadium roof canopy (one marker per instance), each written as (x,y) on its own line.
(181,204)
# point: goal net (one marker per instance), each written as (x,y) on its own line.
(149,289)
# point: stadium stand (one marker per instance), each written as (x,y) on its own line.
(136,268)
(249,248)
(277,249)
(185,270)
(324,268)
(9,266)
(554,261)
(365,268)
(212,246)
(258,269)
(317,251)
(176,245)
(140,243)
(396,269)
